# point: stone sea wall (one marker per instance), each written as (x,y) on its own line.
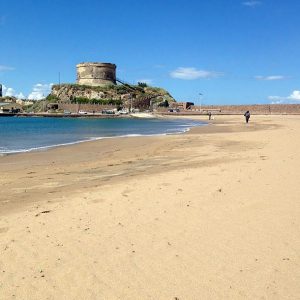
(254,109)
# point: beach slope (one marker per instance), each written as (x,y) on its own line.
(210,214)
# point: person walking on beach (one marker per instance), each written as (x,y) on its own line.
(247,116)
(209,116)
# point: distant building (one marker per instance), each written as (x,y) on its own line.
(6,107)
(183,105)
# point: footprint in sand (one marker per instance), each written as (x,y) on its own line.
(165,184)
(126,192)
(3,229)
(190,178)
(97,201)
(263,157)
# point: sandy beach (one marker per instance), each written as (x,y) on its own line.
(210,214)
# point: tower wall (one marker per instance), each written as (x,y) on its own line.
(96,74)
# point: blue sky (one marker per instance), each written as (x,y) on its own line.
(231,51)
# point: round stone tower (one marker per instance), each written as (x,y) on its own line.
(96,74)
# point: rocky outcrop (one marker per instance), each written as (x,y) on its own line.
(138,96)
(70,92)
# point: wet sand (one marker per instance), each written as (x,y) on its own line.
(211,214)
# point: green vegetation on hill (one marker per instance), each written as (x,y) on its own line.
(52,98)
(122,89)
(82,100)
(37,106)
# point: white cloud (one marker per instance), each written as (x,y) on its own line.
(20,96)
(40,91)
(252,3)
(147,81)
(10,92)
(193,73)
(6,68)
(293,98)
(270,78)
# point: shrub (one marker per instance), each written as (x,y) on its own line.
(142,84)
(52,98)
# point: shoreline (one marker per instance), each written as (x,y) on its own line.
(139,116)
(29,160)
(46,148)
(212,213)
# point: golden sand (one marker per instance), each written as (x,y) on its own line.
(211,214)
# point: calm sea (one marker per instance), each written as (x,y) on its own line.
(28,134)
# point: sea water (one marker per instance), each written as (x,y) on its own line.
(18,134)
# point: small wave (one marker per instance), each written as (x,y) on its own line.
(42,148)
(13,151)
